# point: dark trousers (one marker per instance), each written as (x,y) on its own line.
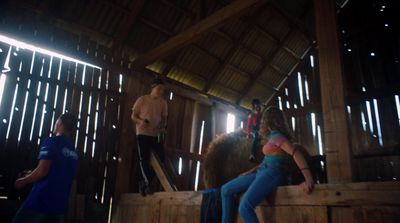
(146,144)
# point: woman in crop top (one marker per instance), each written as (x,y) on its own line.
(263,179)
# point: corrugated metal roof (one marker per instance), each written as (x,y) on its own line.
(224,93)
(246,61)
(259,43)
(196,60)
(284,61)
(215,44)
(271,77)
(232,79)
(186,77)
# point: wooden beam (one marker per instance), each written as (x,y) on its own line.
(185,155)
(263,32)
(295,21)
(308,52)
(100,38)
(375,93)
(194,93)
(183,11)
(270,57)
(155,26)
(336,129)
(301,111)
(236,44)
(276,40)
(169,67)
(368,193)
(170,34)
(191,34)
(162,174)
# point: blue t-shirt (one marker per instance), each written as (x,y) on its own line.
(51,193)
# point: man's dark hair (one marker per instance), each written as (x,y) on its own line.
(255,102)
(68,121)
(155,82)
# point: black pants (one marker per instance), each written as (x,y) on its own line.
(145,145)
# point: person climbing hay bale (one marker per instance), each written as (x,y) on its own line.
(227,157)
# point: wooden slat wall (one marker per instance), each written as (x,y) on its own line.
(40,87)
(300,101)
(289,99)
(373,161)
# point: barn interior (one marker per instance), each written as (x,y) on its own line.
(332,67)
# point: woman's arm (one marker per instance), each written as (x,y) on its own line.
(298,157)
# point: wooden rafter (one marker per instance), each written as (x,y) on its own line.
(170,65)
(295,21)
(236,45)
(183,11)
(270,58)
(264,33)
(170,34)
(123,31)
(191,34)
(301,62)
(155,26)
(198,94)
(295,24)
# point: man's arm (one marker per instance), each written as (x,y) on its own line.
(135,118)
(136,111)
(164,116)
(40,171)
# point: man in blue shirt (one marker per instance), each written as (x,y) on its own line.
(52,177)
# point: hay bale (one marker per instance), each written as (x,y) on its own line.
(227,157)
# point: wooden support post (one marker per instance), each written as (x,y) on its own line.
(336,131)
(161,174)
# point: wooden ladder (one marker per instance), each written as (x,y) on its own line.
(162,174)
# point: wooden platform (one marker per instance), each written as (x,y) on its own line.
(336,203)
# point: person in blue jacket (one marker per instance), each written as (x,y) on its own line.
(52,178)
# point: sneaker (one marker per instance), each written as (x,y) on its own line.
(148,191)
(142,188)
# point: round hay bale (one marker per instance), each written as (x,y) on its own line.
(227,156)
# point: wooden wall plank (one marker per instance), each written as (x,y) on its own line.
(290,205)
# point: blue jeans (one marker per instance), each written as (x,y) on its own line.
(29,216)
(258,186)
